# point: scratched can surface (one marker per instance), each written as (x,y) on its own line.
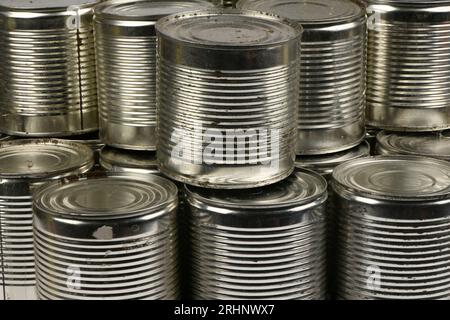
(106,236)
(433,144)
(119,160)
(24,165)
(263,243)
(408,57)
(126,63)
(227,97)
(393,228)
(332,71)
(47,74)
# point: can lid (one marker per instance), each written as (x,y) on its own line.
(107,196)
(43,158)
(311,12)
(129,158)
(395,177)
(43,5)
(425,144)
(325,164)
(146,10)
(303,186)
(229,28)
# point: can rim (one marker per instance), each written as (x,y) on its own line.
(79,4)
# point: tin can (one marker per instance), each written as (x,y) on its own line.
(434,145)
(263,243)
(48,77)
(119,160)
(91,140)
(126,60)
(393,234)
(227,97)
(25,165)
(408,58)
(106,236)
(332,71)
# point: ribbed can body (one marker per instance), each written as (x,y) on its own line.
(227,115)
(408,65)
(48,78)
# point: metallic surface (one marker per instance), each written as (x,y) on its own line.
(394,219)
(371,138)
(435,145)
(126,60)
(216,76)
(264,243)
(107,237)
(47,78)
(332,73)
(4,137)
(408,65)
(117,160)
(24,165)
(92,140)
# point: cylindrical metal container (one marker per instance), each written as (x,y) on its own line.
(24,165)
(394,228)
(433,145)
(47,74)
(118,160)
(227,102)
(408,65)
(263,243)
(92,141)
(107,236)
(126,63)
(332,72)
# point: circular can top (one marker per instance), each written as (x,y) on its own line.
(308,12)
(43,158)
(228,28)
(43,5)
(433,145)
(301,187)
(129,159)
(146,10)
(106,197)
(395,178)
(325,164)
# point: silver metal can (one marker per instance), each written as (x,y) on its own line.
(91,140)
(434,145)
(48,77)
(227,97)
(394,218)
(25,165)
(408,75)
(263,243)
(332,71)
(126,63)
(106,236)
(119,160)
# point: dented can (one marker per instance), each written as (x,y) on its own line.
(24,166)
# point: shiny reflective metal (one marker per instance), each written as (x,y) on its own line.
(47,74)
(25,165)
(126,62)
(435,145)
(107,236)
(371,138)
(408,65)
(92,140)
(394,228)
(332,72)
(118,160)
(4,137)
(227,102)
(263,243)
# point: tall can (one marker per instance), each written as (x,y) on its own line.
(24,166)
(47,75)
(106,236)
(119,160)
(408,57)
(263,243)
(393,232)
(126,63)
(227,97)
(332,71)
